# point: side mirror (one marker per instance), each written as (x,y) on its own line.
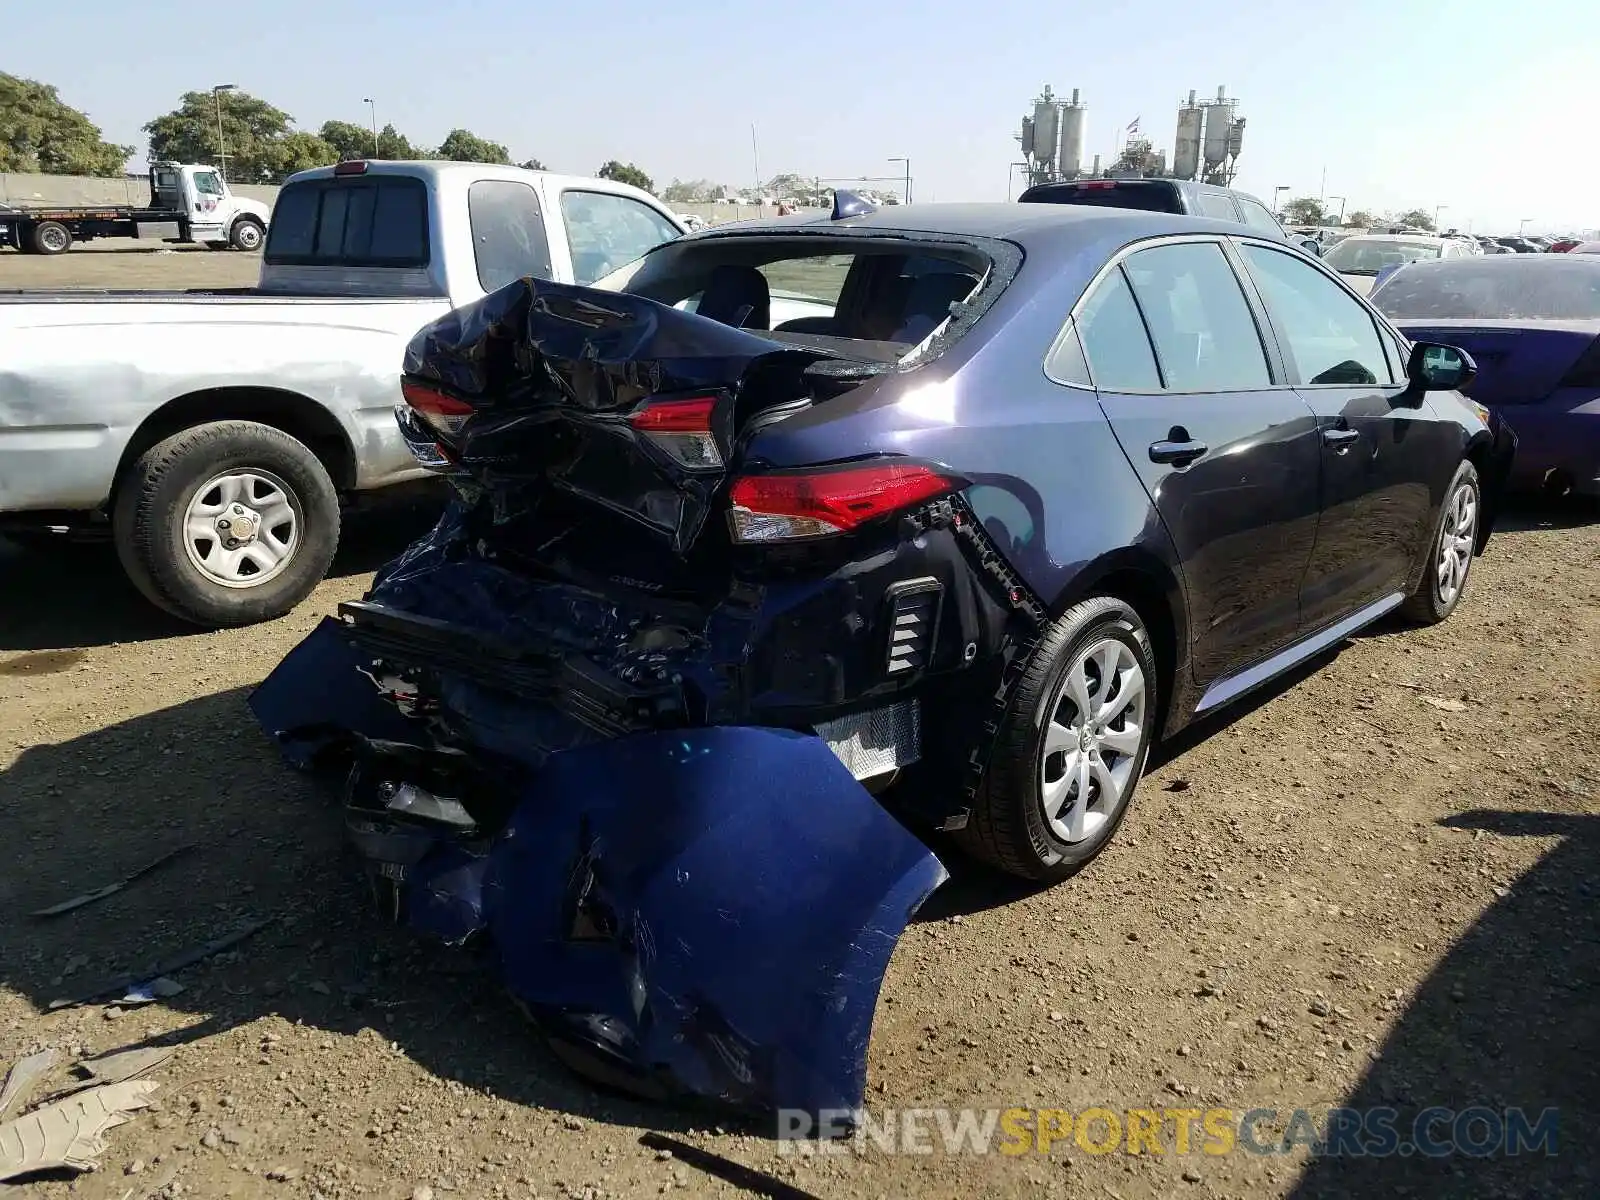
(1436,368)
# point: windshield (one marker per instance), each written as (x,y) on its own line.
(1494,289)
(1357,256)
(867,297)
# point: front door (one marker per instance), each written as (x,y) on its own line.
(1228,453)
(1378,444)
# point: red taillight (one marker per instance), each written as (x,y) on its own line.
(1098,183)
(684,428)
(806,504)
(351,166)
(445,413)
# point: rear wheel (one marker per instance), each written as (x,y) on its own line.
(227,524)
(246,234)
(1072,745)
(50,237)
(1444,578)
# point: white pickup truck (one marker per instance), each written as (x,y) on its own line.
(214,435)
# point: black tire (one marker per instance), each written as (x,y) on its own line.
(1008,828)
(50,237)
(153,500)
(1431,603)
(247,234)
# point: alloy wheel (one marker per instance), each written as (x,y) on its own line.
(1091,744)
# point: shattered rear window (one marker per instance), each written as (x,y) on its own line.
(883,299)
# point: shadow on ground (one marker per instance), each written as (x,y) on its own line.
(267,844)
(64,594)
(1509,1019)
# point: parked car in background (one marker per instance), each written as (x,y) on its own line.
(1362,259)
(213,436)
(1520,245)
(1164,458)
(1170,196)
(1585,248)
(1533,327)
(1563,245)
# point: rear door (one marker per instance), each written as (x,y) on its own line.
(1227,452)
(1384,457)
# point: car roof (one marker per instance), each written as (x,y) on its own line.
(1029,225)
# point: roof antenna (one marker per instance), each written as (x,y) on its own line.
(848,204)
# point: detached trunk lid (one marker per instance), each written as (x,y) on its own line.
(1518,360)
(610,398)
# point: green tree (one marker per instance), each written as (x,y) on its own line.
(1307,210)
(532,164)
(300,150)
(40,133)
(626,173)
(252,130)
(352,141)
(464,146)
(1416,218)
(1360,219)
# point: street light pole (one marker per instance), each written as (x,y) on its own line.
(222,146)
(1341,200)
(1437,209)
(907,193)
(1276,192)
(1523,226)
(373,108)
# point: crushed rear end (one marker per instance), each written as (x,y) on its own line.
(622,714)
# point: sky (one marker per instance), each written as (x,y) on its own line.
(1405,104)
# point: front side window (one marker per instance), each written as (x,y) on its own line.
(1257,217)
(1204,333)
(1331,339)
(607,231)
(207,183)
(508,238)
(1114,339)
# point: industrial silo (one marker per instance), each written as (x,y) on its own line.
(1027,137)
(1044,129)
(1186,148)
(1219,125)
(1069,160)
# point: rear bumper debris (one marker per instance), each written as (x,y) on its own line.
(700,913)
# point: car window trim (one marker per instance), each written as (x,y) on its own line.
(1276,372)
(1379,324)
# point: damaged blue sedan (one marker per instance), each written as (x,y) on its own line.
(946,512)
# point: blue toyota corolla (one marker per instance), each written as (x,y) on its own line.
(961,506)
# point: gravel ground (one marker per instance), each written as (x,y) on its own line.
(1373,886)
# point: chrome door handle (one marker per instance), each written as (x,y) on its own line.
(1339,437)
(1179,454)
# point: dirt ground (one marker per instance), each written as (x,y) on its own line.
(1375,886)
(122,263)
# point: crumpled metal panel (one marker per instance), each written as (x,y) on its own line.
(554,371)
(708,912)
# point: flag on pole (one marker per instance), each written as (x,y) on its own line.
(1133,126)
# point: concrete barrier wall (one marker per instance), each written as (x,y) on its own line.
(83,190)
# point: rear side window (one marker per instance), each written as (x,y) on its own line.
(377,221)
(606,231)
(508,238)
(1114,339)
(1257,217)
(1198,318)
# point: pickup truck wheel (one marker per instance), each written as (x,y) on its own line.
(246,234)
(226,524)
(51,237)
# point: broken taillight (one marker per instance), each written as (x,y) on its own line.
(792,505)
(684,429)
(442,412)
